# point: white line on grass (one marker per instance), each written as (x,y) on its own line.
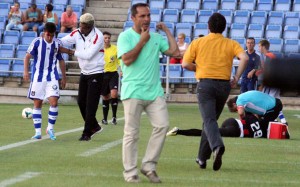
(101,148)
(20,178)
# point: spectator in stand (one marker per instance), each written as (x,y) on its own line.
(49,16)
(33,18)
(68,20)
(182,45)
(15,17)
(248,77)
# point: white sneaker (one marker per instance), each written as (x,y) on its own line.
(173,132)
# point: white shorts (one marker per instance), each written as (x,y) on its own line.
(274,92)
(43,90)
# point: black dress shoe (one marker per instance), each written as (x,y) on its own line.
(217,156)
(85,138)
(96,131)
(201,164)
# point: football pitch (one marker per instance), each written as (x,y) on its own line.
(69,162)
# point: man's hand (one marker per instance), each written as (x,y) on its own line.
(161,26)
(234,82)
(145,36)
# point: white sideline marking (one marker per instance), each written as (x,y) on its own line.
(20,178)
(18,144)
(101,148)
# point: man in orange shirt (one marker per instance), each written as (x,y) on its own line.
(213,56)
(68,20)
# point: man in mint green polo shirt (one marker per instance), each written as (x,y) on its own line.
(141,91)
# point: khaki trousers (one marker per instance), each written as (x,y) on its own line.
(158,114)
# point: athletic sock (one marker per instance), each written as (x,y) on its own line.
(105,108)
(52,116)
(114,106)
(37,119)
(281,117)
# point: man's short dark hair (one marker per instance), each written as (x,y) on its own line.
(134,8)
(216,23)
(106,33)
(251,38)
(231,102)
(265,43)
(50,27)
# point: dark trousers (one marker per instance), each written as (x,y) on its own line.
(88,99)
(273,113)
(247,84)
(212,96)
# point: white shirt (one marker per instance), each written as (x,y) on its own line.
(89,50)
(45,56)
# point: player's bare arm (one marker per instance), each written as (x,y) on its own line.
(26,65)
(63,81)
(173,49)
(129,57)
(241,112)
(242,66)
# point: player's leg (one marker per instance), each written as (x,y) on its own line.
(187,132)
(105,98)
(37,92)
(113,85)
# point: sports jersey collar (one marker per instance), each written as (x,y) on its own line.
(215,35)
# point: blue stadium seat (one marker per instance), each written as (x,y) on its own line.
(162,73)
(275,18)
(157,4)
(200,28)
(203,15)
(291,32)
(27,37)
(24,6)
(78,10)
(291,18)
(152,26)
(11,37)
(255,31)
(156,14)
(187,39)
(17,68)
(175,72)
(25,1)
(192,4)
(241,16)
(259,17)
(7,51)
(41,6)
(2,24)
(4,9)
(266,5)
(210,5)
(188,76)
(294,55)
(4,67)
(59,9)
(11,2)
(276,44)
(241,41)
(228,16)
(176,4)
(21,51)
(238,30)
(247,5)
(282,5)
(81,3)
(42,1)
(189,15)
(296,6)
(185,28)
(278,54)
(228,5)
(60,2)
(171,15)
(273,31)
(291,46)
(127,25)
(171,27)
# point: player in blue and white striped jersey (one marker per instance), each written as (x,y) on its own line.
(45,77)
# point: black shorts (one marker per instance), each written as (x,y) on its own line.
(110,81)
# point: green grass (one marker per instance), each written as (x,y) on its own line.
(246,162)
